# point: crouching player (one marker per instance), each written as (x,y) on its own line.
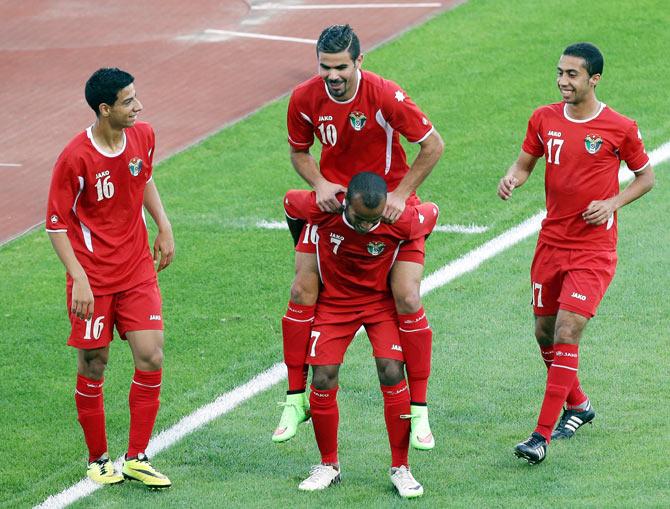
(355,253)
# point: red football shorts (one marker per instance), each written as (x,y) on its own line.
(138,308)
(411,251)
(571,279)
(334,329)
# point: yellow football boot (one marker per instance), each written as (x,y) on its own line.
(102,471)
(139,469)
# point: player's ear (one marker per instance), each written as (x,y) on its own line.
(593,80)
(104,109)
(359,61)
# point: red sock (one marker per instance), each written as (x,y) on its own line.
(396,403)
(416,339)
(326,418)
(547,353)
(576,396)
(91,415)
(296,326)
(143,400)
(560,378)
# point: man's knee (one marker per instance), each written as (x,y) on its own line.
(544,330)
(407,299)
(569,327)
(92,363)
(390,371)
(324,377)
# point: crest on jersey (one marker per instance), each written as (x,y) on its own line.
(376,248)
(357,120)
(593,142)
(135,166)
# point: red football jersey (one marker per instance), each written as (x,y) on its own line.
(354,267)
(360,134)
(96,197)
(582,165)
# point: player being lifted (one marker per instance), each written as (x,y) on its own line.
(355,253)
(583,142)
(357,116)
(95,221)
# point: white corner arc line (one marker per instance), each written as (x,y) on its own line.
(249,35)
(390,5)
(230,400)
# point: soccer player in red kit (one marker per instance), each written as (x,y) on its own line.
(583,142)
(95,220)
(357,116)
(355,253)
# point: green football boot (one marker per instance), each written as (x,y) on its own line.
(420,436)
(296,410)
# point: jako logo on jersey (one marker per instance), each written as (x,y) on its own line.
(154,317)
(397,348)
(556,134)
(578,296)
(102,174)
(593,142)
(357,120)
(135,166)
(325,118)
(376,248)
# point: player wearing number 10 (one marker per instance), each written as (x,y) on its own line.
(583,142)
(95,221)
(358,117)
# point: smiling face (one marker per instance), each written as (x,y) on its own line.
(124,111)
(340,73)
(362,218)
(573,80)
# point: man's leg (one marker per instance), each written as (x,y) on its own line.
(396,403)
(296,330)
(147,349)
(325,418)
(578,410)
(88,398)
(416,339)
(561,377)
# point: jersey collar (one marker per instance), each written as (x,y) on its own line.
(576,121)
(358,85)
(89,133)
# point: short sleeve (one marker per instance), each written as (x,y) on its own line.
(63,192)
(632,149)
(404,115)
(299,125)
(532,143)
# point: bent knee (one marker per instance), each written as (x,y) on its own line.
(407,301)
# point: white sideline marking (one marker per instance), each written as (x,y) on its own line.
(221,405)
(11,165)
(396,5)
(214,35)
(459,228)
(230,400)
(444,228)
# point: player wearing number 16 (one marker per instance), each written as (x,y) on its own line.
(95,220)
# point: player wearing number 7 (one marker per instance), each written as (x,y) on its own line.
(355,253)
(583,142)
(95,221)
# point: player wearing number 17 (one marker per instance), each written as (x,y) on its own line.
(583,142)
(95,221)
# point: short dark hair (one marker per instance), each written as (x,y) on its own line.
(337,38)
(104,85)
(369,186)
(593,58)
